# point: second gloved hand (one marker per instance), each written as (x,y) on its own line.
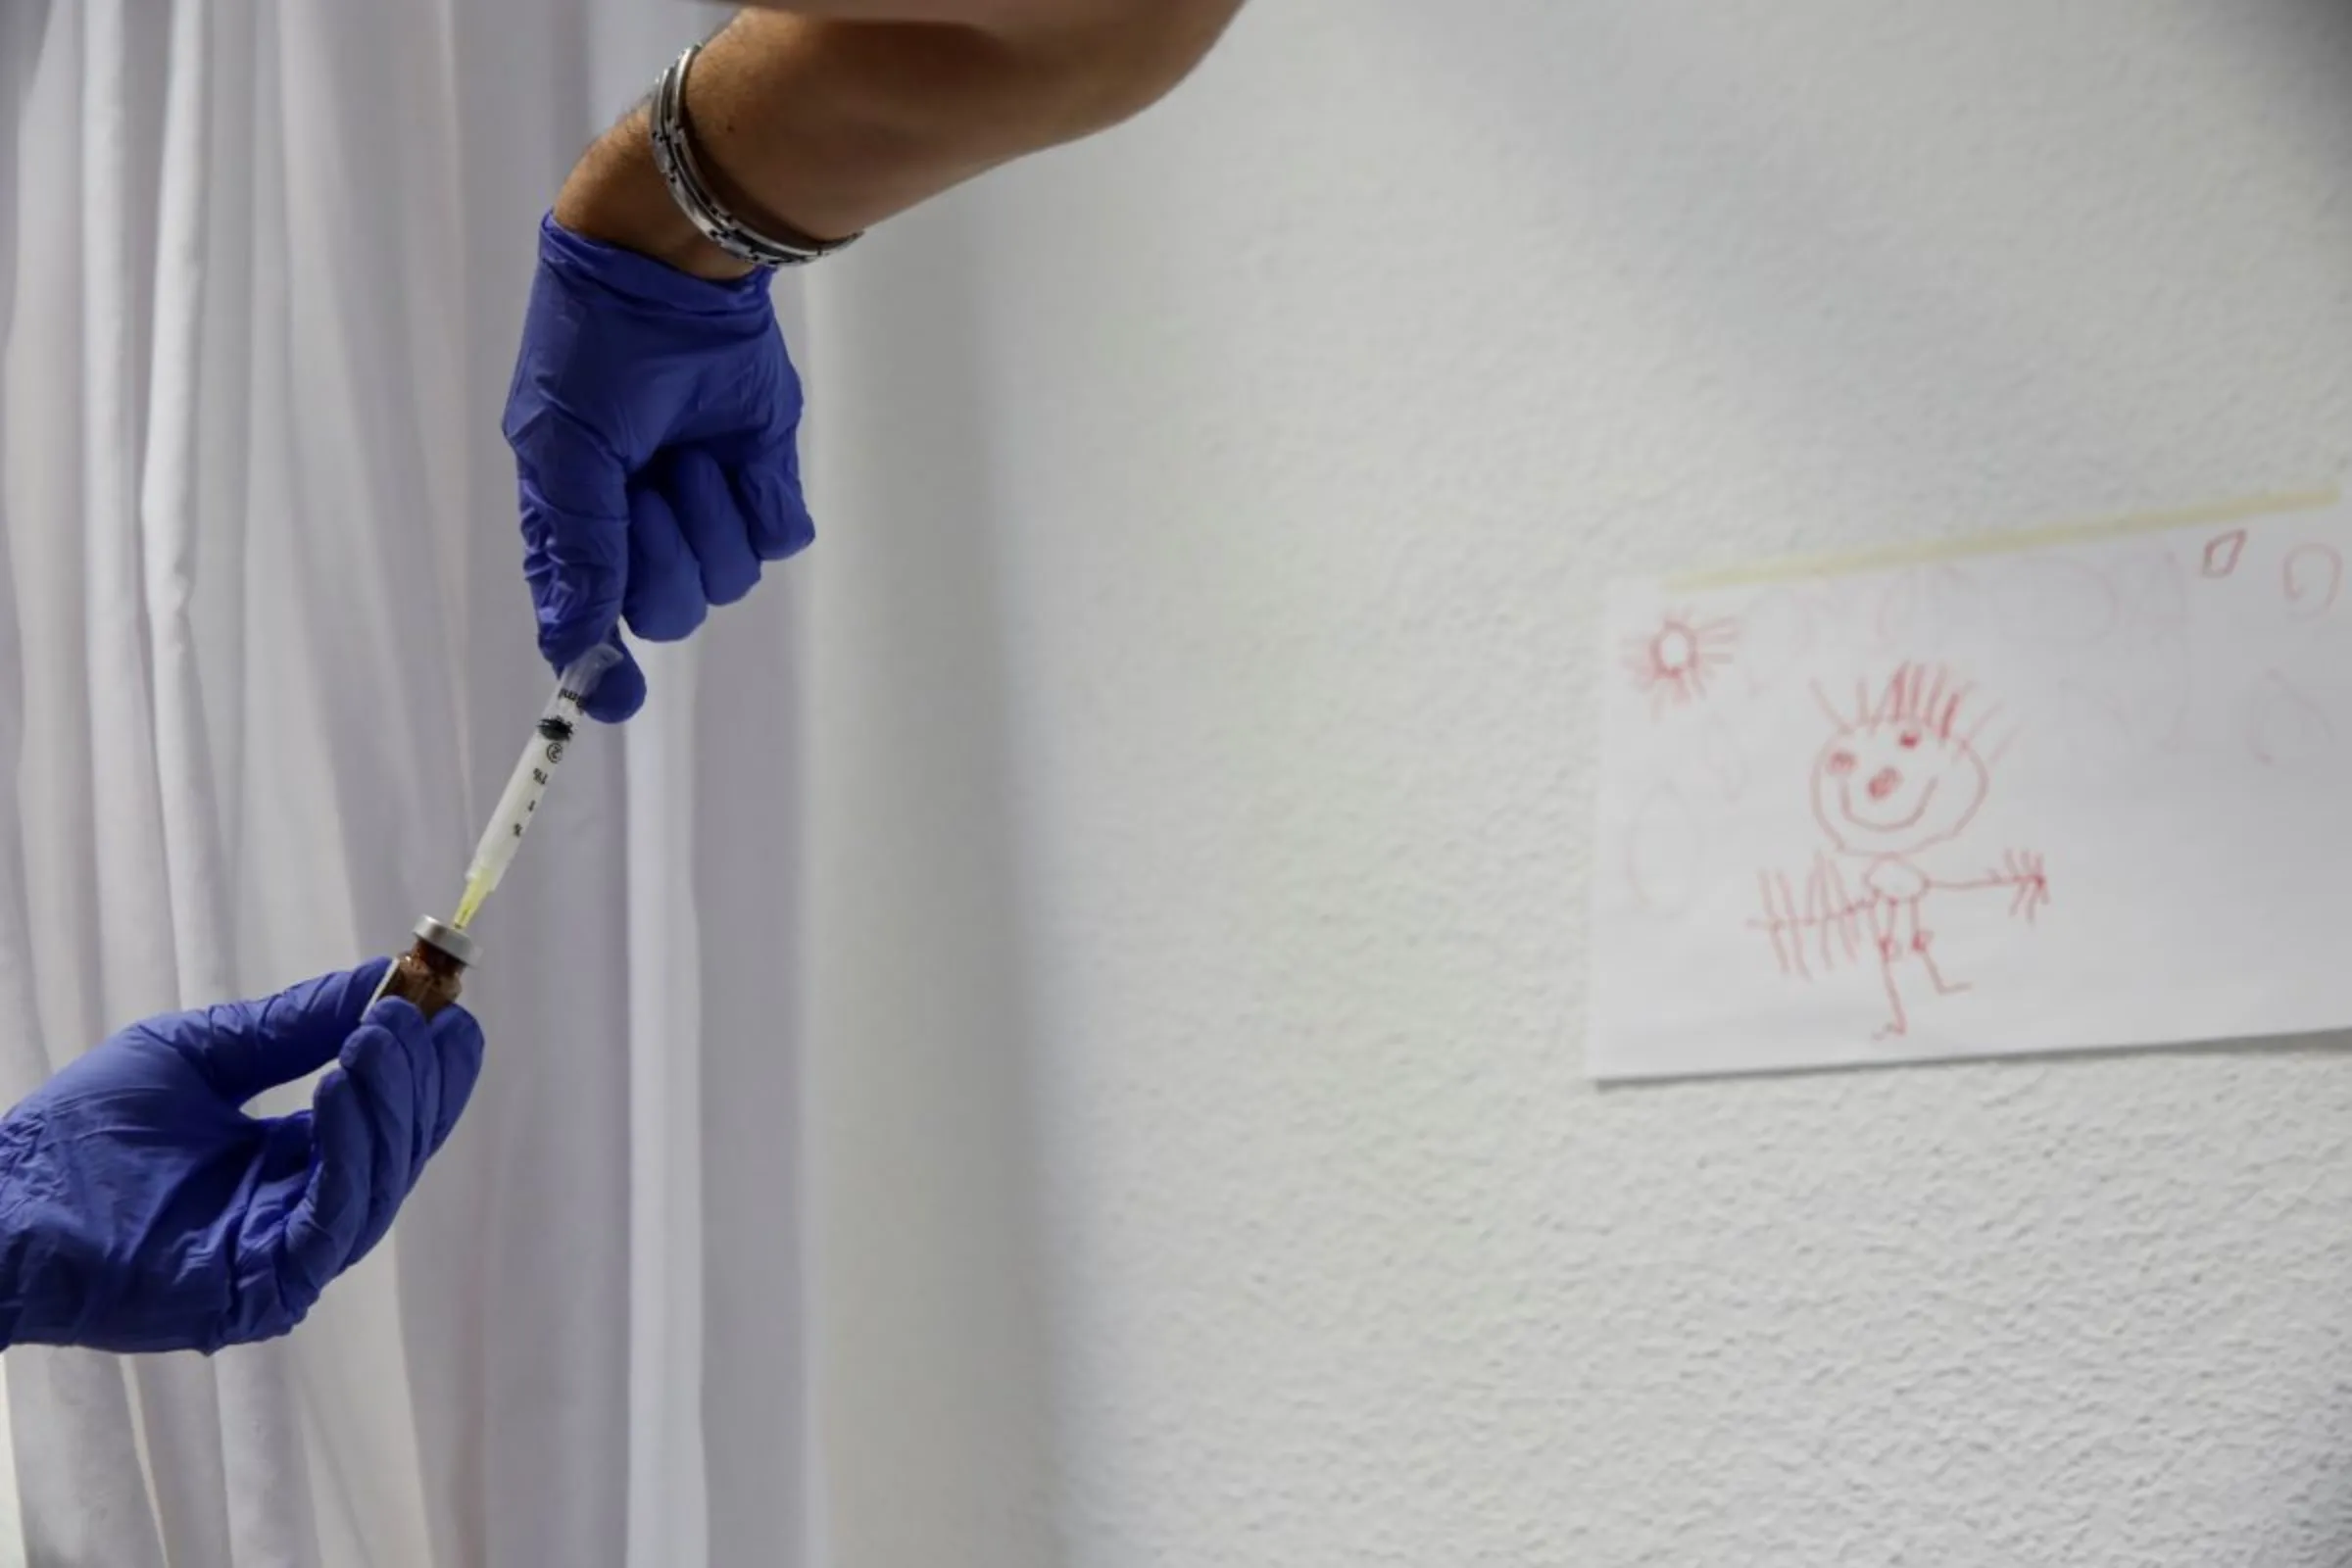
(142,1209)
(653,417)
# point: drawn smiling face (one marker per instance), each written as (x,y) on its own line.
(1896,777)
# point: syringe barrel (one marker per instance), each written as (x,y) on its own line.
(520,798)
(527,784)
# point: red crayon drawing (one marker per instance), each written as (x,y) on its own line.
(1898,776)
(2311,578)
(2222,552)
(2284,727)
(1675,663)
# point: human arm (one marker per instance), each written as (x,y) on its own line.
(827,119)
(2019,872)
(142,1210)
(655,411)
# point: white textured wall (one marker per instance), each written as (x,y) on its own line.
(1214,521)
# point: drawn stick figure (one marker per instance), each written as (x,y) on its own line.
(1897,777)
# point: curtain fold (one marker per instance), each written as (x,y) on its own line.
(267,656)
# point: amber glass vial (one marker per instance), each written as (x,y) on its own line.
(428,975)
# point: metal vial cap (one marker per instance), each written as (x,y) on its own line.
(448,939)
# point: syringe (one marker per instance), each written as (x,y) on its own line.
(551,737)
(429,974)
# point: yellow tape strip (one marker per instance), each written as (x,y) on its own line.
(2002,542)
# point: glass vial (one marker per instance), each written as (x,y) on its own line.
(427,976)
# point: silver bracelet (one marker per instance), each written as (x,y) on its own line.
(674,155)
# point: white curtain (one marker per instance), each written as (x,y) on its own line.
(266,657)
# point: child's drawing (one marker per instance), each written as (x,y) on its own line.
(2312,575)
(1674,664)
(1798,869)
(2222,552)
(2283,727)
(1898,777)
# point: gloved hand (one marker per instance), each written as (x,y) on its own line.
(142,1210)
(653,417)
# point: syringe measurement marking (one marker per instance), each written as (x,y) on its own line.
(557,726)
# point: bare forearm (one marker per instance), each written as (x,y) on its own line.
(1003,16)
(828,125)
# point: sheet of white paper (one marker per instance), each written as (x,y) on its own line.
(2076,795)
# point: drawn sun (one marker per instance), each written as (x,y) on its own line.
(1675,663)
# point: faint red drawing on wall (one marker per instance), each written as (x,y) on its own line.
(2222,552)
(2311,577)
(2284,727)
(1675,663)
(2091,726)
(1899,775)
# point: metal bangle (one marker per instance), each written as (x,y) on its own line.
(674,155)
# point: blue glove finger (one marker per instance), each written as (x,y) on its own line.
(421,1055)
(713,526)
(243,1048)
(377,1061)
(408,1075)
(619,692)
(768,489)
(459,1040)
(325,1223)
(665,600)
(575,532)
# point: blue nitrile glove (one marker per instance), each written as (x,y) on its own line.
(142,1210)
(653,418)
